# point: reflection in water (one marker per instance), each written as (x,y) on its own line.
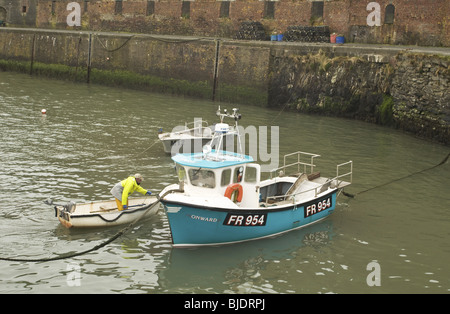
(239,265)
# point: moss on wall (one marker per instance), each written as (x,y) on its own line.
(384,111)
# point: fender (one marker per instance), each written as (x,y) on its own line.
(234,187)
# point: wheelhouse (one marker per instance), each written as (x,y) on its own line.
(220,174)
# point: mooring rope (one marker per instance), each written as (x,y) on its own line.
(171,41)
(156,141)
(114,237)
(115,49)
(70,255)
(395,180)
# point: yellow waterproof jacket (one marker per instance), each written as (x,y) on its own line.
(129,186)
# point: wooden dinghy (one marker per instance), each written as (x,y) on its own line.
(104,213)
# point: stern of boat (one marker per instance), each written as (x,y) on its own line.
(63,213)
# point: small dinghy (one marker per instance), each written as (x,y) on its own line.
(192,140)
(187,139)
(104,213)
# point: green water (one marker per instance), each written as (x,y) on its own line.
(92,137)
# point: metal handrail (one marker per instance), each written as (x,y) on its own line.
(318,188)
(196,121)
(298,163)
(294,195)
(345,174)
(187,130)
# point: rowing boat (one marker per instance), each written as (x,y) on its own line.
(104,213)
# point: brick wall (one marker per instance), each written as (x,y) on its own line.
(22,12)
(418,22)
(337,16)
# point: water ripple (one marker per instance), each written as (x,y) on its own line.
(94,136)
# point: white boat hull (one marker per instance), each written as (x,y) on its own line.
(105,213)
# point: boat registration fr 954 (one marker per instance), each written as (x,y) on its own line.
(318,206)
(245,220)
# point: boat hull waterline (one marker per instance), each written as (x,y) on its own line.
(202,225)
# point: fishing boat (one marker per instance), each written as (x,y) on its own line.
(187,139)
(222,199)
(104,213)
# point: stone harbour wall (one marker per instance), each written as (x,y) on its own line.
(402,89)
(420,89)
(177,65)
(396,86)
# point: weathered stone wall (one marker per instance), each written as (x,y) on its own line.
(321,82)
(420,88)
(180,65)
(176,58)
(385,85)
(402,89)
(50,47)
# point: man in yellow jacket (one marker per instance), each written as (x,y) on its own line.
(125,188)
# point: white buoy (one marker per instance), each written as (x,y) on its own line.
(44,111)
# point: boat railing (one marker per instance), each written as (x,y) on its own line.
(299,163)
(197,123)
(348,173)
(335,182)
(196,129)
(197,126)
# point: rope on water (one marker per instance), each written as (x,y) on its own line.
(395,180)
(156,141)
(70,255)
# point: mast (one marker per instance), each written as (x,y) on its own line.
(222,129)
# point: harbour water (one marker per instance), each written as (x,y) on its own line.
(391,239)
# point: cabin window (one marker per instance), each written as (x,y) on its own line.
(238,173)
(226,177)
(202,178)
(250,174)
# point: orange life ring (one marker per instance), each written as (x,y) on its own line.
(234,187)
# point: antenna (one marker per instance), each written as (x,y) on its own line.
(221,130)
